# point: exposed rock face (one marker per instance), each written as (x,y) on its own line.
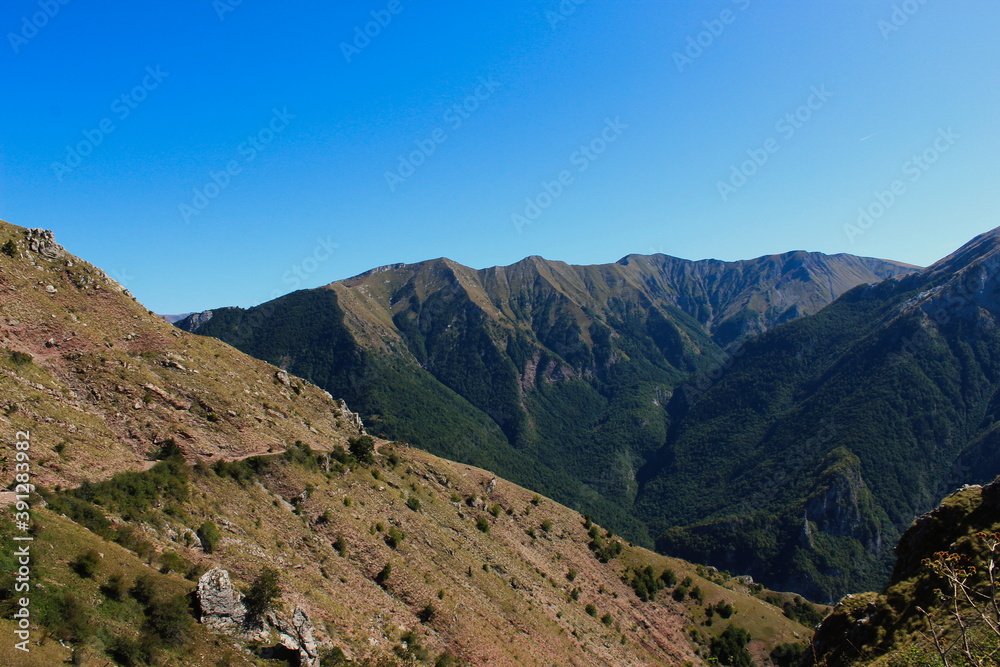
(223,610)
(221,605)
(352,418)
(195,320)
(296,634)
(43,241)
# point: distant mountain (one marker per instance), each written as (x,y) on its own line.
(553,375)
(174,318)
(166,463)
(807,458)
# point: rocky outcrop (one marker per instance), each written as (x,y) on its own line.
(222,610)
(43,241)
(296,634)
(353,418)
(220,603)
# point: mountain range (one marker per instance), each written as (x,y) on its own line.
(562,378)
(193,505)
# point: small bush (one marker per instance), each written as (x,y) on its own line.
(413,503)
(483,525)
(394,537)
(169,620)
(9,248)
(382,577)
(340,544)
(86,564)
(20,358)
(607,619)
(209,535)
(546,525)
(171,561)
(591,610)
(362,448)
(788,655)
(133,652)
(115,588)
(571,575)
(144,589)
(427,614)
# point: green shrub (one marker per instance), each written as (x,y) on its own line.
(546,525)
(645,584)
(171,561)
(115,588)
(394,537)
(209,535)
(591,610)
(788,655)
(133,652)
(413,503)
(482,524)
(20,358)
(67,617)
(9,248)
(607,619)
(262,594)
(144,589)
(86,564)
(730,648)
(427,614)
(169,620)
(571,575)
(340,544)
(383,576)
(362,448)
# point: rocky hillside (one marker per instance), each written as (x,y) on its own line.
(941,583)
(555,376)
(166,463)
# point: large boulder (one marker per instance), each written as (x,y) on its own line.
(221,604)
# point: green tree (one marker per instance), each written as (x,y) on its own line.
(262,594)
(362,448)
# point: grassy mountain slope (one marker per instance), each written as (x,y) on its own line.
(556,376)
(142,435)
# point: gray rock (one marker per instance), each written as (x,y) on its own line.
(221,604)
(43,242)
(296,634)
(352,418)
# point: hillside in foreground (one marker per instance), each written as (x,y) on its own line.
(161,456)
(940,607)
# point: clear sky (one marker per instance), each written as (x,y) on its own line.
(215,153)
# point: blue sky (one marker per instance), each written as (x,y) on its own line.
(214,153)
